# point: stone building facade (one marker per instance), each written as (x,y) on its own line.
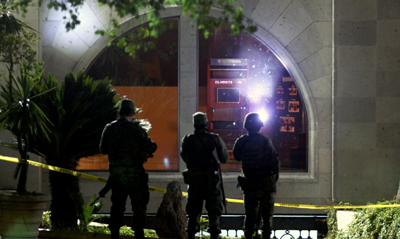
(344,57)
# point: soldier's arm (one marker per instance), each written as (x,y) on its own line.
(237,150)
(273,154)
(222,152)
(149,145)
(104,141)
(183,149)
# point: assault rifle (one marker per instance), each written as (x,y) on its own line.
(103,191)
(220,177)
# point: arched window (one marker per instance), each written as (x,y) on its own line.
(237,75)
(240,74)
(151,80)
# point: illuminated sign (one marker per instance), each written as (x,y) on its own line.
(228,62)
(227,82)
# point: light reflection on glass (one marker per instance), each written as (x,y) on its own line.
(166,162)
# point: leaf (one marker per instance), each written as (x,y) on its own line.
(87,213)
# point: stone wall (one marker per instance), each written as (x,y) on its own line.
(301,36)
(367,129)
(344,57)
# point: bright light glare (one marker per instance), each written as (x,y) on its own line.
(166,162)
(264,115)
(255,94)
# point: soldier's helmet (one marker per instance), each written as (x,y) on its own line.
(127,106)
(200,119)
(252,121)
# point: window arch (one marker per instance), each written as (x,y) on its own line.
(292,68)
(244,65)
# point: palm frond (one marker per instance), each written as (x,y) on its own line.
(79,110)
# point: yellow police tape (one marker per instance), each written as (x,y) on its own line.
(160,190)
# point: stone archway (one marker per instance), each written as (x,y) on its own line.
(291,30)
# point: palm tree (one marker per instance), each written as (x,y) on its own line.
(69,126)
(78,111)
(21,115)
(16,39)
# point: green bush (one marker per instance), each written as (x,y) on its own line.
(376,223)
(123,231)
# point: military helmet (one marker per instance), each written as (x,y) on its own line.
(252,120)
(127,106)
(200,118)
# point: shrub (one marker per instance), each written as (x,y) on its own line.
(377,223)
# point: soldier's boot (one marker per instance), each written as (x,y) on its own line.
(248,235)
(214,235)
(266,234)
(114,233)
(191,235)
(139,234)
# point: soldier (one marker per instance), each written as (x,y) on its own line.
(203,176)
(260,166)
(128,147)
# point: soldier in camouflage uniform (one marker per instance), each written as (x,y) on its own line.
(260,166)
(204,182)
(128,147)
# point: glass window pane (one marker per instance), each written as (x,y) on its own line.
(240,74)
(151,80)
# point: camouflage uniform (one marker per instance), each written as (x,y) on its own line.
(205,183)
(261,168)
(127,146)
